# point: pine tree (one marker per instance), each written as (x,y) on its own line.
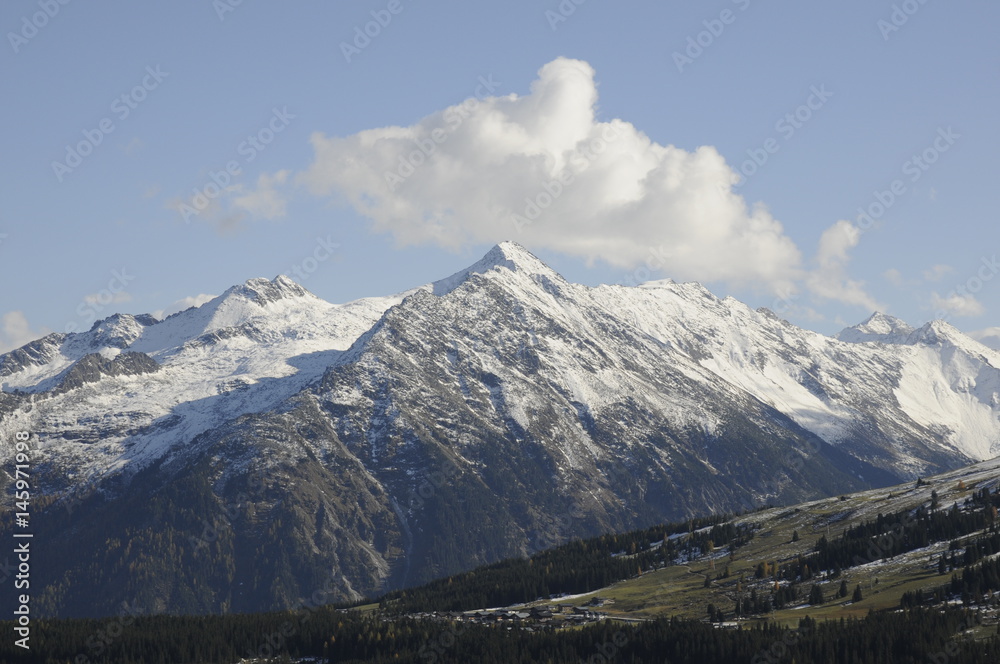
(857,594)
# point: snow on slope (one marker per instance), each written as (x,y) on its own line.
(905,382)
(953,385)
(881,383)
(245,351)
(878,327)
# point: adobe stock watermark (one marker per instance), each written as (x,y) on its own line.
(381,18)
(953,648)
(438,645)
(76,496)
(559,528)
(793,461)
(786,126)
(900,16)
(778,649)
(562,12)
(578,163)
(212,530)
(784,301)
(121,106)
(608,650)
(985,273)
(714,28)
(93,304)
(426,147)
(223,7)
(324,250)
(431,480)
(30,25)
(98,642)
(913,168)
(302,610)
(249,148)
(657,259)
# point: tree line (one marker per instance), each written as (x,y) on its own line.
(915,635)
(577,567)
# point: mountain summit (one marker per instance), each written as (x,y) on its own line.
(268,443)
(878,327)
(506,255)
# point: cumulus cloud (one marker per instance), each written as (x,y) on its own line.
(894,277)
(182,304)
(214,211)
(829,280)
(954,304)
(541,169)
(936,272)
(15,331)
(988,337)
(265,200)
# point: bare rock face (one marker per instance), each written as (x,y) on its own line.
(268,448)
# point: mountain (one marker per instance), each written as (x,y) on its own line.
(895,534)
(268,445)
(818,582)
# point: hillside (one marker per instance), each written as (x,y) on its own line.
(656,611)
(233,456)
(760,555)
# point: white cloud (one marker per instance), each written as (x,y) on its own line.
(894,277)
(988,337)
(200,209)
(182,304)
(937,272)
(15,331)
(621,195)
(265,201)
(829,281)
(954,304)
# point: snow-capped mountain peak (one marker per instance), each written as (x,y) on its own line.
(239,305)
(942,333)
(263,291)
(116,331)
(506,255)
(634,403)
(879,327)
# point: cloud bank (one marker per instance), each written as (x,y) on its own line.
(829,279)
(543,170)
(15,331)
(989,337)
(182,304)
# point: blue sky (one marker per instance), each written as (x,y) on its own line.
(728,142)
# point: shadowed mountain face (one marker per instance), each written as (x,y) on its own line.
(269,447)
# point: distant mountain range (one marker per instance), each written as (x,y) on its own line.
(268,445)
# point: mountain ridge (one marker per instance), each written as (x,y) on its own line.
(486,415)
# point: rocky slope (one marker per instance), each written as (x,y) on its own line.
(269,446)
